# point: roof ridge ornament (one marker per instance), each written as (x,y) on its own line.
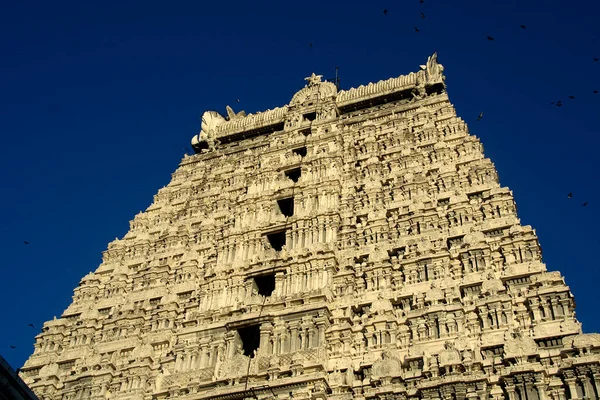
(313,80)
(233,115)
(433,70)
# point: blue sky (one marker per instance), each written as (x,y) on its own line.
(98,102)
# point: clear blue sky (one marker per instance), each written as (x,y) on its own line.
(99,99)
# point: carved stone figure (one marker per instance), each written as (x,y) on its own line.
(434,70)
(231,115)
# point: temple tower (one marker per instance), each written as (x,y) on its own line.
(350,244)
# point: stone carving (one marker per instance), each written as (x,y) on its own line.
(316,91)
(449,356)
(49,370)
(231,115)
(586,340)
(206,138)
(520,346)
(434,70)
(365,249)
(570,325)
(388,366)
(235,367)
(381,306)
(210,121)
(492,286)
(313,80)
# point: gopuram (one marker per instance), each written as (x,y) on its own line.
(353,244)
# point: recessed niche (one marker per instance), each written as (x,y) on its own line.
(265,284)
(310,116)
(276,240)
(200,146)
(306,131)
(250,337)
(301,151)
(286,206)
(293,174)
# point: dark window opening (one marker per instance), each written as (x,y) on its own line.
(276,240)
(473,290)
(550,342)
(250,336)
(475,195)
(491,352)
(198,147)
(519,281)
(286,206)
(301,151)
(360,311)
(265,284)
(454,241)
(397,252)
(305,132)
(361,259)
(294,174)
(310,116)
(377,101)
(262,131)
(494,233)
(435,89)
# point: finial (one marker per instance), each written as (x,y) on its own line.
(313,79)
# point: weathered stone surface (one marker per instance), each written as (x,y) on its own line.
(398,269)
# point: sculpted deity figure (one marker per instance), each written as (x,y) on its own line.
(434,70)
(206,138)
(419,92)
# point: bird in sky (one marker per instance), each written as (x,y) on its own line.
(570,195)
(422,15)
(490,38)
(25,242)
(31,325)
(385,11)
(480,116)
(310,45)
(572,97)
(421,1)
(584,204)
(13,347)
(416,29)
(523,26)
(559,103)
(238,100)
(596,59)
(595,92)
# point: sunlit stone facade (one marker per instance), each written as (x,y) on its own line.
(351,244)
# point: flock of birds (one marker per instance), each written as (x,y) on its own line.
(570,196)
(30,325)
(557,103)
